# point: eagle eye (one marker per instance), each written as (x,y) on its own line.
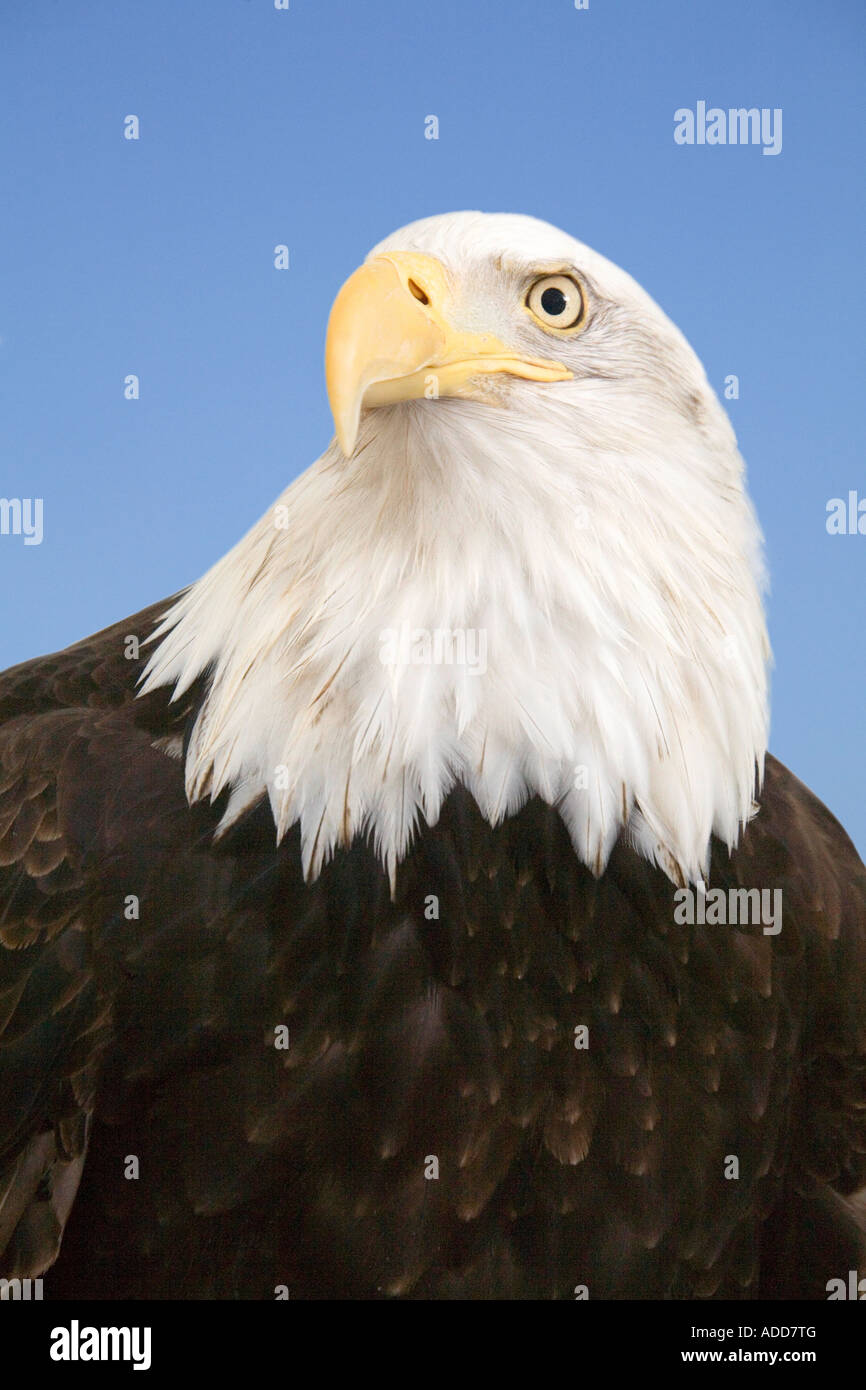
(556,301)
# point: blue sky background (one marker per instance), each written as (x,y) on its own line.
(307,127)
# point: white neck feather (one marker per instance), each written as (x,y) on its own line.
(610,643)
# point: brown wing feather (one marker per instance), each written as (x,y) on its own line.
(54,1014)
(93,673)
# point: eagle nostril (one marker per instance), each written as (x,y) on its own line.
(415,288)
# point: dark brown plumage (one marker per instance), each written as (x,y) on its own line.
(410,1038)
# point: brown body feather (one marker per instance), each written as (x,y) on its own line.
(412,1037)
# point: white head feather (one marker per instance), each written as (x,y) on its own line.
(594,533)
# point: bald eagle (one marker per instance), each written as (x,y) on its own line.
(410,907)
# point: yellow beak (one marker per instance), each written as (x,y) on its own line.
(389,340)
